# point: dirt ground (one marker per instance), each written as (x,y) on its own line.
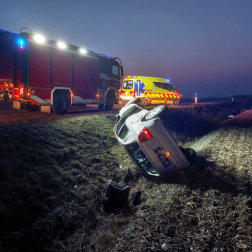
(53,175)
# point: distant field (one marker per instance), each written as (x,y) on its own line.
(215,99)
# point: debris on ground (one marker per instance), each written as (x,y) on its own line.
(117,196)
(136,198)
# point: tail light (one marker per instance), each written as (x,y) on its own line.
(176,92)
(144,135)
(21,90)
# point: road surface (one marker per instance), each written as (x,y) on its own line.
(8,114)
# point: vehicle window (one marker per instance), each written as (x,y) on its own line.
(169,87)
(158,84)
(115,70)
(140,158)
(105,67)
(128,84)
(123,132)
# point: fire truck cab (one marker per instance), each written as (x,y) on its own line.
(41,72)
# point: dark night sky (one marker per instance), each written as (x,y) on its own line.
(203,46)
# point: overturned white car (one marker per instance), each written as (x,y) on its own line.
(145,139)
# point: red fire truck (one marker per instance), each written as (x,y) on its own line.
(36,71)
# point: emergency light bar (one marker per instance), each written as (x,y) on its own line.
(39,39)
(21,42)
(61,45)
(83,51)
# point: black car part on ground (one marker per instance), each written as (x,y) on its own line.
(117,196)
(136,198)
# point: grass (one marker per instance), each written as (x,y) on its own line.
(53,176)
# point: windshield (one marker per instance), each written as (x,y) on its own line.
(128,84)
(140,158)
(115,70)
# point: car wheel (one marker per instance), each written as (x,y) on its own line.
(60,104)
(29,106)
(144,103)
(176,102)
(109,104)
(135,100)
(160,111)
(189,153)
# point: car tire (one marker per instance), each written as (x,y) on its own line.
(190,154)
(136,100)
(109,104)
(160,111)
(60,104)
(176,102)
(29,106)
(144,102)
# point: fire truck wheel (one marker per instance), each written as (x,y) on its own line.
(60,104)
(29,106)
(144,103)
(160,111)
(109,104)
(176,102)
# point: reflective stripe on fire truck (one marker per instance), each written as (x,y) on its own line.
(39,100)
(78,99)
(8,84)
(91,100)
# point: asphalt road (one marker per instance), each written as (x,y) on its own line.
(8,114)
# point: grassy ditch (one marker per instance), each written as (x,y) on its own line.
(53,176)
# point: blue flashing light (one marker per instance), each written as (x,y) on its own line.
(168,80)
(21,43)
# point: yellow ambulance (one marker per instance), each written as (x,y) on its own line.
(153,90)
